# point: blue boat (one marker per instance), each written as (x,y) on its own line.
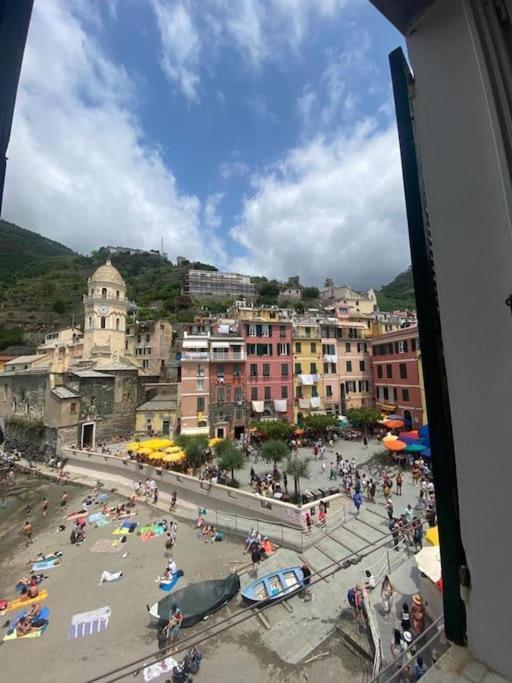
(274,585)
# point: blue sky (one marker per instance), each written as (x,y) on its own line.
(257,135)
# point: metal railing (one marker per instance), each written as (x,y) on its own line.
(384,565)
(228,356)
(289,536)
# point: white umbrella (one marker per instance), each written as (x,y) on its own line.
(429,562)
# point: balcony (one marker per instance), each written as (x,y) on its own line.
(195,355)
(227,356)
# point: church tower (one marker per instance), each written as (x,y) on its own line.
(105,309)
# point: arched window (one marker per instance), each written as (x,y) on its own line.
(104,293)
(117,323)
(103,323)
(117,294)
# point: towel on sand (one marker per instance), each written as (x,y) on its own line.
(87,623)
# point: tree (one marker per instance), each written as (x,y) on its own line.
(195,447)
(59,306)
(318,424)
(298,469)
(310,293)
(275,450)
(362,417)
(274,429)
(232,459)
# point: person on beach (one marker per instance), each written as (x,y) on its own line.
(175,620)
(27,532)
(64,500)
(174,499)
(256,555)
(306,581)
(44,508)
(33,588)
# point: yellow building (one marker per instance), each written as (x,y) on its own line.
(308,383)
(244,311)
(156,416)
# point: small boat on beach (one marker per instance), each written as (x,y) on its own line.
(274,585)
(196,601)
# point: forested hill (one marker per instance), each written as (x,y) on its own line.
(398,294)
(42,283)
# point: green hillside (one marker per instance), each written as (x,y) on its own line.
(398,294)
(42,283)
(25,254)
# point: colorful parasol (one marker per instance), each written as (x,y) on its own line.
(432,535)
(394,424)
(395,445)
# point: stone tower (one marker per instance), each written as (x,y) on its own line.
(105,308)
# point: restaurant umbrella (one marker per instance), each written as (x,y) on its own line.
(394,424)
(414,448)
(432,535)
(395,445)
(390,437)
(414,434)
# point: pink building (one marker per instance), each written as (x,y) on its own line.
(397,375)
(268,369)
(195,381)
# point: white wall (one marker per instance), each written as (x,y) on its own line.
(469,200)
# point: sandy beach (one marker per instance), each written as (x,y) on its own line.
(73,587)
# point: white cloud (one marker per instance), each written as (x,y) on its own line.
(79,169)
(180,45)
(229,169)
(211,216)
(333,207)
(192,31)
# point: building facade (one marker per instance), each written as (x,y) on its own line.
(307,369)
(194,390)
(397,375)
(268,369)
(214,283)
(105,312)
(361,302)
(150,342)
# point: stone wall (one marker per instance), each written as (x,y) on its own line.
(30,437)
(23,394)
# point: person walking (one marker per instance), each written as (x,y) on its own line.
(44,508)
(365,443)
(358,501)
(64,500)
(27,532)
(256,558)
(399,484)
(306,582)
(386,594)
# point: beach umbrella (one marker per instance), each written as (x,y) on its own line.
(395,446)
(144,451)
(133,446)
(394,424)
(414,448)
(432,535)
(172,449)
(426,453)
(158,444)
(174,457)
(214,441)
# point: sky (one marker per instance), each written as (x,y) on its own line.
(256,135)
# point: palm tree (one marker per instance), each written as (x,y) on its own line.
(298,468)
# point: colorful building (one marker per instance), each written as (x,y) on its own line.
(268,369)
(194,390)
(355,372)
(307,368)
(228,409)
(397,375)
